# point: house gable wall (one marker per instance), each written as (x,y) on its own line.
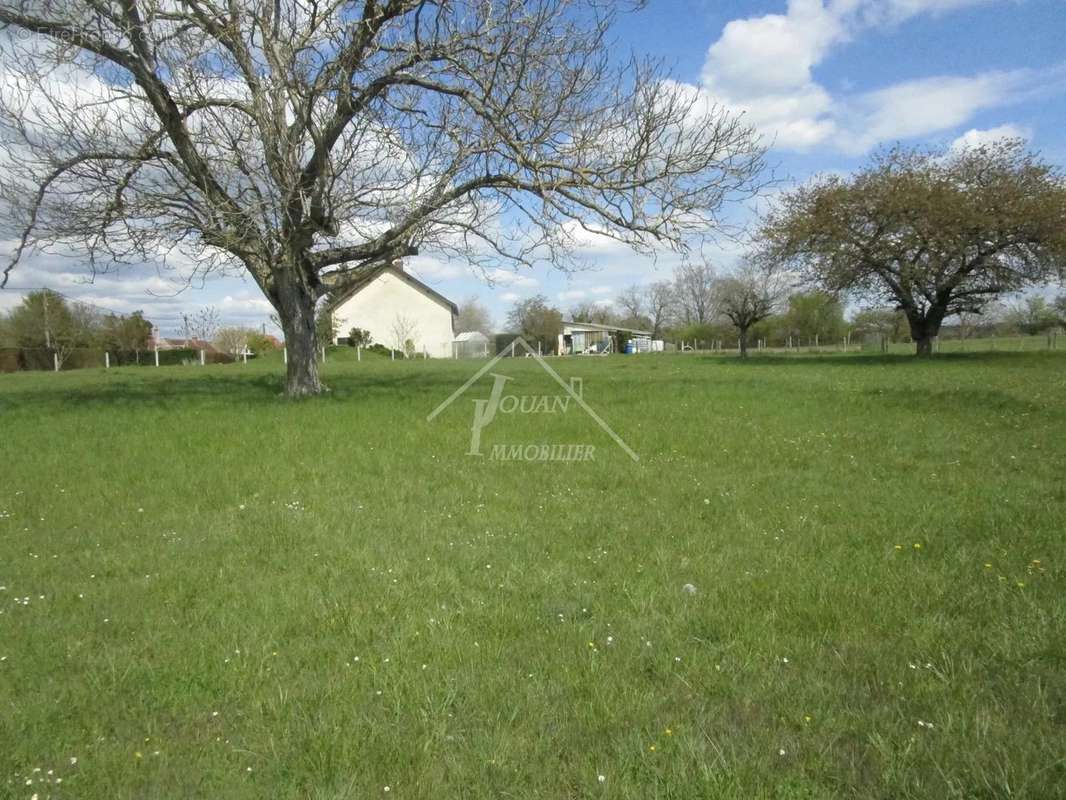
(387,296)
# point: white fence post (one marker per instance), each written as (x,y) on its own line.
(157,356)
(323,354)
(285,355)
(107,360)
(359,353)
(55,360)
(203,359)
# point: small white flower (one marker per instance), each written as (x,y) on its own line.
(601,778)
(781,752)
(387,789)
(688,588)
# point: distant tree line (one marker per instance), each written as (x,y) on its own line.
(751,304)
(927,243)
(47,320)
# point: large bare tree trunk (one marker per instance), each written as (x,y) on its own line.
(923,331)
(743,336)
(295,302)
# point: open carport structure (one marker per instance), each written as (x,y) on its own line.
(591,338)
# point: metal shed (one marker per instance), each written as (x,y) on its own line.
(590,338)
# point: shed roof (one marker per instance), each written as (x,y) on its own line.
(593,326)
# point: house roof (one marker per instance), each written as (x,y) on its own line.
(357,287)
(593,326)
(180,343)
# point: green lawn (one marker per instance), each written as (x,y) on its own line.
(208,591)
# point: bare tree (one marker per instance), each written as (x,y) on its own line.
(202,325)
(597,313)
(404,331)
(307,143)
(649,305)
(694,293)
(752,293)
(632,301)
(233,340)
(661,302)
(473,316)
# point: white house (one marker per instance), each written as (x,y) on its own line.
(396,308)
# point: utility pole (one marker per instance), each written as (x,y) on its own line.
(47,333)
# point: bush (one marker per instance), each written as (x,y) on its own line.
(9,359)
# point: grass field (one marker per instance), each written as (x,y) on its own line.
(208,591)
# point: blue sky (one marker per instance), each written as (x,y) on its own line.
(826,82)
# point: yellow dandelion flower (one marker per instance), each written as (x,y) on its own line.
(988,566)
(899,547)
(138,754)
(652,748)
(917,545)
(668,732)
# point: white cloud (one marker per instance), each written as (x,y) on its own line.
(498,276)
(764,67)
(925,106)
(763,56)
(977,138)
(570,295)
(426,267)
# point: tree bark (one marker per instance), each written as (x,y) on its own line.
(743,335)
(295,302)
(924,330)
(923,347)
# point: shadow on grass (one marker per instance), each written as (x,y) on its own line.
(879,359)
(131,389)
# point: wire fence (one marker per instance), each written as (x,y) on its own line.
(16,359)
(873,344)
